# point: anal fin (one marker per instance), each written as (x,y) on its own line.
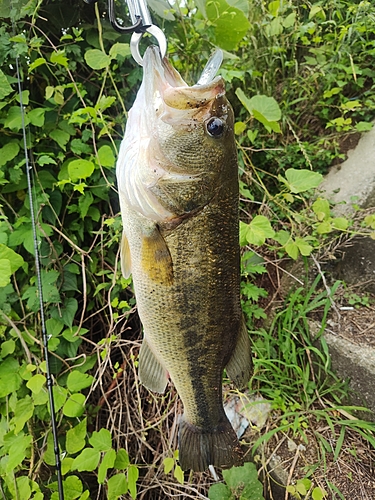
(240,367)
(150,371)
(156,258)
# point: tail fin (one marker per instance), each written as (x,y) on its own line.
(199,448)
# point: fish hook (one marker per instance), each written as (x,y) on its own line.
(142,22)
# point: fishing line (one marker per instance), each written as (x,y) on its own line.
(39,284)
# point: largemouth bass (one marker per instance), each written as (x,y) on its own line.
(178,185)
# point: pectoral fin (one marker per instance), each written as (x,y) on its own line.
(125,257)
(240,367)
(150,371)
(156,258)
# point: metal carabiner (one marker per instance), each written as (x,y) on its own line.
(142,22)
(138,10)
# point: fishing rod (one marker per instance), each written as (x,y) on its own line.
(45,337)
(142,23)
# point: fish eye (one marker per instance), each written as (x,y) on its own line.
(215,127)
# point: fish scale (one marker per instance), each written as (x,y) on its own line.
(185,258)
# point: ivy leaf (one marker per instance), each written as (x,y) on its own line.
(303,246)
(179,474)
(9,151)
(101,440)
(77,381)
(122,459)
(219,491)
(22,413)
(76,437)
(16,261)
(258,230)
(97,59)
(75,405)
(230,24)
(302,180)
(5,88)
(118,49)
(117,486)
(7,347)
(80,169)
(73,487)
(5,272)
(321,209)
(61,137)
(36,383)
(168,465)
(264,109)
(133,475)
(106,156)
(107,463)
(88,460)
(18,451)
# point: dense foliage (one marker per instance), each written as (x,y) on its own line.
(299,76)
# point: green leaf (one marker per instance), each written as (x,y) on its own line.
(118,49)
(303,246)
(76,437)
(364,126)
(340,223)
(36,116)
(7,347)
(321,208)
(77,381)
(22,413)
(36,383)
(66,313)
(59,57)
(122,459)
(61,137)
(5,88)
(16,261)
(5,272)
(219,491)
(97,59)
(318,494)
(168,465)
(246,477)
(179,474)
(117,486)
(106,156)
(230,24)
(101,440)
(292,250)
(133,475)
(80,169)
(266,106)
(73,487)
(84,203)
(59,395)
(66,465)
(107,463)
(35,64)
(18,452)
(75,405)
(258,230)
(87,460)
(8,152)
(302,180)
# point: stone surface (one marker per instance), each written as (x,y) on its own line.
(354,179)
(357,264)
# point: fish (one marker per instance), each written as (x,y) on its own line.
(177,176)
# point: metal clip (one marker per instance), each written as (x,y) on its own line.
(138,10)
(142,22)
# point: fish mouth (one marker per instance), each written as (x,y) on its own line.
(164,83)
